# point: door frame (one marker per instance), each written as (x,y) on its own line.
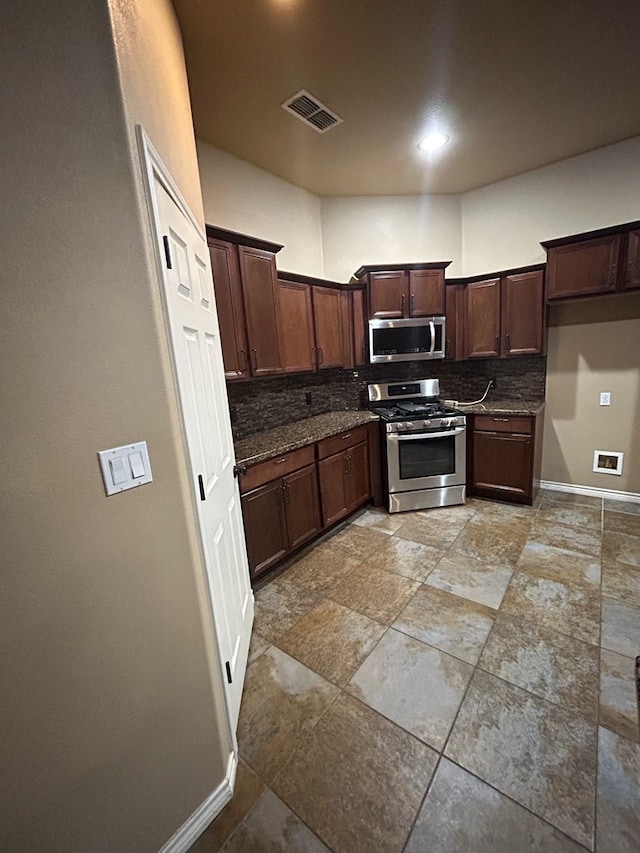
(154,168)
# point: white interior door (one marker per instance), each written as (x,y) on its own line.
(199,368)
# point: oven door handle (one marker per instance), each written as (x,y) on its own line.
(394,436)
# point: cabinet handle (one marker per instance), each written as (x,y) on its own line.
(314,356)
(345,436)
(508,341)
(497,343)
(348,464)
(320,356)
(254,358)
(402,304)
(280,461)
(412,302)
(287,496)
(501,420)
(245,363)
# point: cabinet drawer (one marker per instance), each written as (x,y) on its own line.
(329,446)
(496,423)
(263,472)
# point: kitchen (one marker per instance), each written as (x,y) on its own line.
(118,734)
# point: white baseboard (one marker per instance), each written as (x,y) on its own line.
(195,825)
(590,491)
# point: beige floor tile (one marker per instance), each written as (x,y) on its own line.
(620,627)
(631,507)
(273,828)
(379,520)
(257,646)
(618,696)
(357,780)
(279,605)
(405,557)
(572,515)
(378,594)
(620,548)
(450,623)
(540,755)
(498,541)
(551,665)
(332,640)
(568,499)
(572,610)
(621,581)
(567,538)
(461,814)
(418,687)
(247,790)
(321,568)
(622,522)
(557,564)
(618,794)
(486,507)
(437,532)
(471,578)
(358,542)
(461,513)
(282,700)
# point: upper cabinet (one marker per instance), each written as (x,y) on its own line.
(497,316)
(244,280)
(404,290)
(594,263)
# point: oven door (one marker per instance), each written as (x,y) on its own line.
(426,460)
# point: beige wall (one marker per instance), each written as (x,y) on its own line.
(247,199)
(111,731)
(389,229)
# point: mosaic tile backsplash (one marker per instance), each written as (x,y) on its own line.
(265,403)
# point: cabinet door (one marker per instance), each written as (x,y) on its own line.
(631,278)
(258,270)
(359,328)
(454,326)
(230,308)
(302,505)
(426,292)
(522,299)
(333,492)
(388,295)
(482,319)
(584,268)
(327,317)
(265,527)
(297,339)
(502,465)
(357,479)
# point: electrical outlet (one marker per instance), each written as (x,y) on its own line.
(605,398)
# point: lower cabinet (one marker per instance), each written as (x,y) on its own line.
(504,457)
(344,482)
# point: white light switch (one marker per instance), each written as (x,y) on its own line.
(125,467)
(605,398)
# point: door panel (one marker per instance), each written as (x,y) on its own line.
(303,505)
(258,271)
(631,278)
(502,463)
(228,293)
(327,316)
(522,313)
(482,319)
(297,337)
(388,293)
(358,488)
(265,526)
(359,328)
(333,493)
(578,269)
(426,292)
(197,356)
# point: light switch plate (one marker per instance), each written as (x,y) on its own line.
(125,467)
(605,398)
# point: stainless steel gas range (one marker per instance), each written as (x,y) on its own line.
(424,445)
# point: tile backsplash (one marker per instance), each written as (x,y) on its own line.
(259,404)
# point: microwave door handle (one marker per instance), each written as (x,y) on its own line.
(393,436)
(432,328)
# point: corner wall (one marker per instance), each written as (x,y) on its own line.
(112,726)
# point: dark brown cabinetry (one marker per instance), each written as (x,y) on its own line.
(344,474)
(504,457)
(404,290)
(503,315)
(328,322)
(595,263)
(297,340)
(454,322)
(244,280)
(280,514)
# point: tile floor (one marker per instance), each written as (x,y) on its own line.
(459,679)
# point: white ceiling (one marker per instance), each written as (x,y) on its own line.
(516,84)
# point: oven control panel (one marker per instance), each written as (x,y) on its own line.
(429,425)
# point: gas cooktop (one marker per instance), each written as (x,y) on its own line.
(408,410)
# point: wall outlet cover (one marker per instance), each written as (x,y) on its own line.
(605,398)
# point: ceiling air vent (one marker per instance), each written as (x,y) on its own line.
(311,111)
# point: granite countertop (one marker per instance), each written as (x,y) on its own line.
(505,407)
(265,445)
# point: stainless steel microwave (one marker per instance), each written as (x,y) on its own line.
(412,339)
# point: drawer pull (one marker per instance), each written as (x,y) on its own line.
(502,420)
(346,435)
(280,461)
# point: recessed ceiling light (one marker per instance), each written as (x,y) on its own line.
(432,141)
